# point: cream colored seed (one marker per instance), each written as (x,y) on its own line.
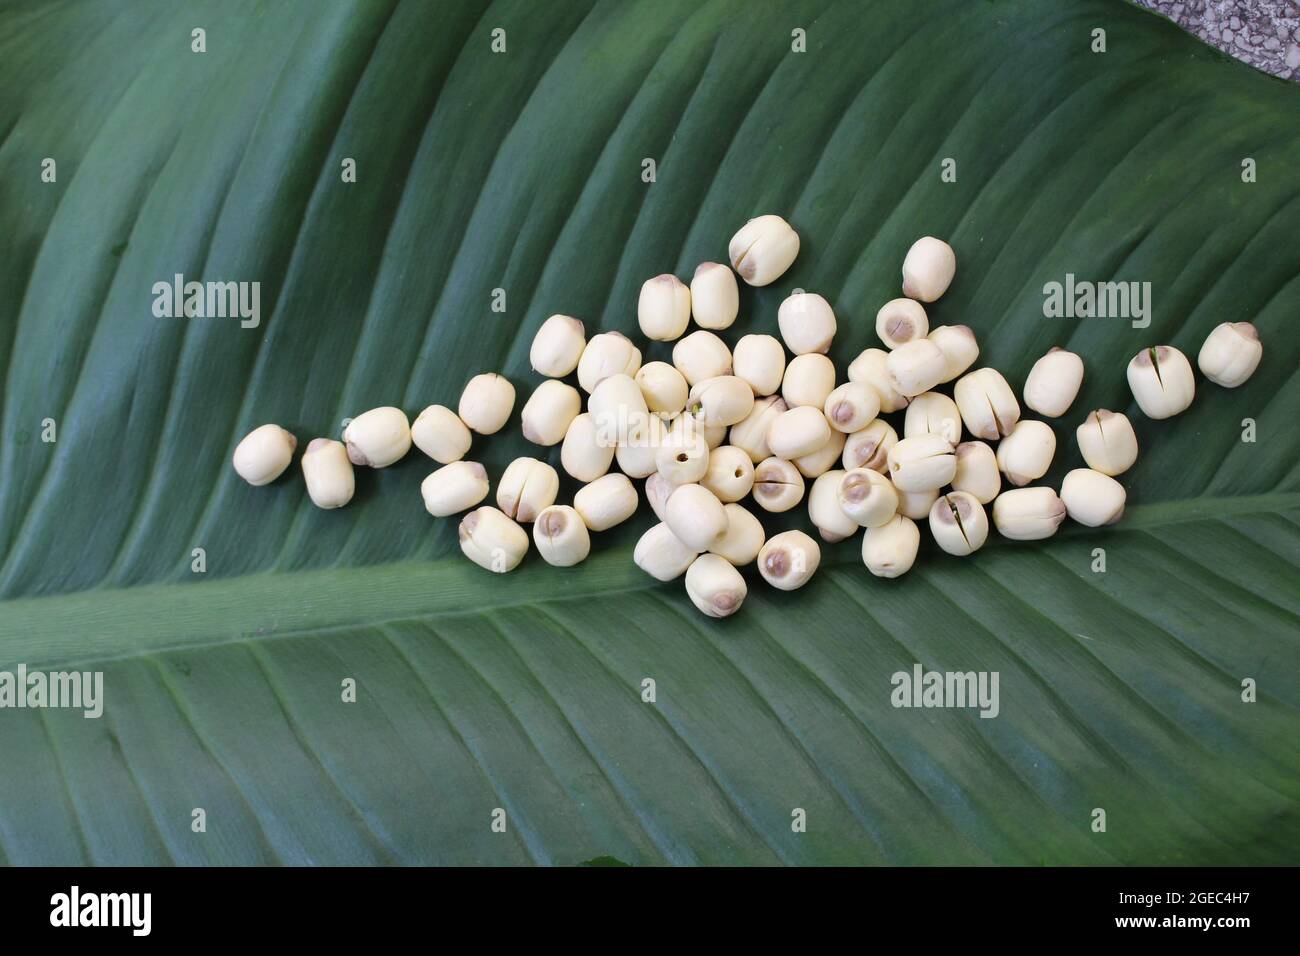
(760,361)
(977,471)
(798,431)
(328,473)
(1108,442)
(868,497)
(807,323)
(1026,454)
(890,550)
(1231,354)
(1161,381)
(720,402)
(751,433)
(1091,498)
(663,387)
(439,433)
(916,504)
(788,560)
(869,368)
(715,300)
(778,486)
(928,269)
(608,501)
(263,454)
(526,489)
(657,491)
(561,537)
(701,355)
(664,309)
(638,456)
(1053,382)
(959,348)
(915,367)
(582,455)
(987,404)
(378,438)
(809,380)
(958,523)
(715,435)
(491,540)
(487,402)
(454,487)
(684,457)
(742,540)
(696,516)
(933,412)
(730,475)
(900,321)
(715,586)
(851,407)
(558,346)
(549,412)
(922,463)
(824,508)
(608,353)
(661,555)
(817,463)
(617,405)
(763,250)
(1028,514)
(869,447)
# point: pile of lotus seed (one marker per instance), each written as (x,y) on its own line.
(720,424)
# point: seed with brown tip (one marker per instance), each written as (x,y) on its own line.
(788,560)
(561,537)
(958,523)
(778,486)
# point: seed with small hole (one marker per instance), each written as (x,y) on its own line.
(263,454)
(683,457)
(561,537)
(730,474)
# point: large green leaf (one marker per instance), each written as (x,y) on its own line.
(522,171)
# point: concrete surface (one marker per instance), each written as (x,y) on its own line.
(1263,33)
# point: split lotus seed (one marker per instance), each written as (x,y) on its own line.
(1161,381)
(958,523)
(763,249)
(1107,441)
(778,486)
(526,489)
(378,438)
(715,586)
(987,404)
(922,463)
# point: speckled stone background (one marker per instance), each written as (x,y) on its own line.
(1263,33)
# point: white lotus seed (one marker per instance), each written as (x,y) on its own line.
(454,487)
(778,486)
(751,433)
(1161,381)
(922,463)
(933,412)
(526,489)
(788,560)
(959,348)
(917,504)
(582,455)
(1026,454)
(958,523)
(549,412)
(608,353)
(928,268)
(760,361)
(487,402)
(439,433)
(721,401)
(664,309)
(263,454)
(890,550)
(1028,514)
(900,321)
(1231,354)
(696,516)
(491,540)
(868,497)
(558,346)
(742,540)
(661,555)
(683,457)
(1091,498)
(658,489)
(378,438)
(977,471)
(701,355)
(1053,382)
(807,323)
(714,435)
(663,387)
(817,463)
(1108,442)
(798,431)
(851,407)
(763,249)
(730,475)
(715,300)
(869,447)
(561,537)
(869,368)
(328,473)
(824,508)
(988,405)
(617,405)
(608,501)
(915,367)
(715,586)
(809,380)
(637,457)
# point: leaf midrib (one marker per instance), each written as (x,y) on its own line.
(111,624)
